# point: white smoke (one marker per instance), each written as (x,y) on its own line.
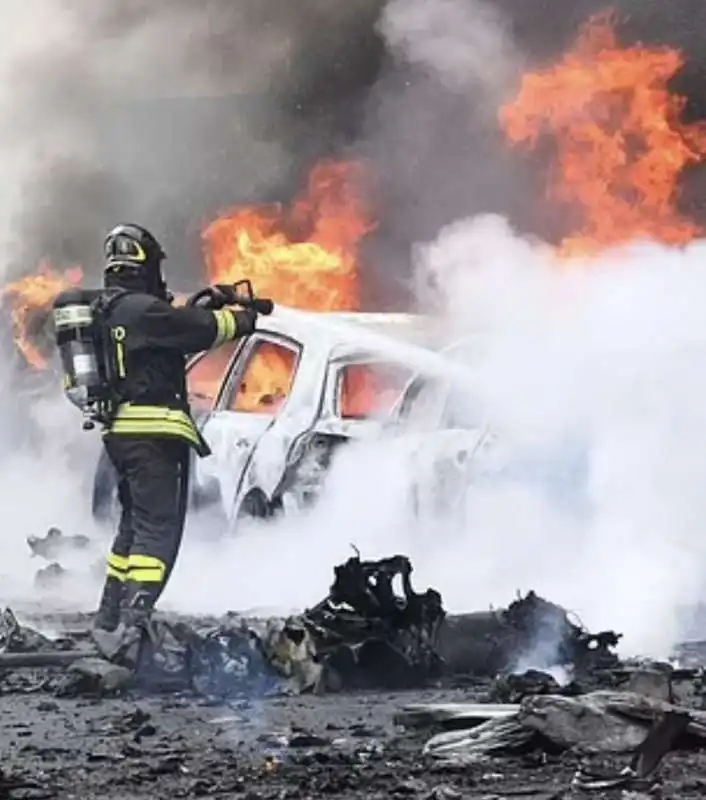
(45,481)
(467,44)
(608,354)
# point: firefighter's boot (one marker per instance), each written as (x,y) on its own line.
(124,644)
(107,617)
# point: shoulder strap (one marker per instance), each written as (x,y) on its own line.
(107,299)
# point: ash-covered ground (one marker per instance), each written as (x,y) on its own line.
(340,746)
(279,712)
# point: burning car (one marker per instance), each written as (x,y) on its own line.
(275,407)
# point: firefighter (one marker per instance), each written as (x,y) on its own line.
(152,434)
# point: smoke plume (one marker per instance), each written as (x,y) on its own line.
(163,112)
(598,365)
(602,361)
(432,129)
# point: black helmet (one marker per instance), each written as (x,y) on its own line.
(134,259)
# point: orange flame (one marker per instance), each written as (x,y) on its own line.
(30,298)
(305,256)
(621,147)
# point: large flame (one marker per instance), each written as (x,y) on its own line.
(621,148)
(29,299)
(305,256)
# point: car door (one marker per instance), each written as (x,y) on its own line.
(440,446)
(254,394)
(463,447)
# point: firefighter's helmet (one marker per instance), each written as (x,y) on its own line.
(133,256)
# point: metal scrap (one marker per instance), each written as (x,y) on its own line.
(365,635)
(639,774)
(531,634)
(503,736)
(466,715)
(56,543)
(601,722)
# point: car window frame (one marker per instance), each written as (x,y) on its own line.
(425,382)
(195,360)
(356,362)
(238,368)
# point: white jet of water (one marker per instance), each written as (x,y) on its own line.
(610,352)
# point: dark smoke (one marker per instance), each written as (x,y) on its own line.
(169,111)
(432,123)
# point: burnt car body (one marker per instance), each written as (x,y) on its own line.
(337,378)
(451,445)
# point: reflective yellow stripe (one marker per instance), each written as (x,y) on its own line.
(120,575)
(137,560)
(220,329)
(129,411)
(145,575)
(226,329)
(146,569)
(120,357)
(231,326)
(155,420)
(147,427)
(118,562)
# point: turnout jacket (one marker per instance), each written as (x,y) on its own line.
(151,340)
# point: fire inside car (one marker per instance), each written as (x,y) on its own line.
(370,390)
(267,380)
(206,376)
(263,386)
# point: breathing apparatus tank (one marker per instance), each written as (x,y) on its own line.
(85,358)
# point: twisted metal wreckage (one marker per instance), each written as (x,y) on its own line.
(363,634)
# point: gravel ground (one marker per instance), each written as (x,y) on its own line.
(335,746)
(343,746)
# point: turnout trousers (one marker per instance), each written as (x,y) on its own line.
(153,480)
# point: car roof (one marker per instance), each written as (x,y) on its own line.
(351,333)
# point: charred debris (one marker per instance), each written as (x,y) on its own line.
(371,631)
(544,689)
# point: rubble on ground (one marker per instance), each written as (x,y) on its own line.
(653,716)
(558,696)
(362,635)
(530,633)
(55,544)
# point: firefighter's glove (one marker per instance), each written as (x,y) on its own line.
(218,297)
(227,292)
(210,298)
(245,321)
